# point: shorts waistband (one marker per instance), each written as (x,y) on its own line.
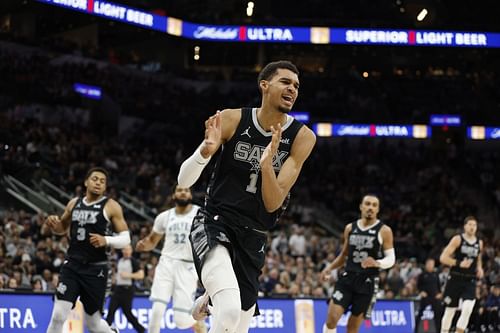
(463,275)
(84,262)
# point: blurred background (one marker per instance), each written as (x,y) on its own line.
(85,83)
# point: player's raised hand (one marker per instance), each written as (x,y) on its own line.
(272,147)
(213,134)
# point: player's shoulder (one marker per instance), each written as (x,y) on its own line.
(73,202)
(163,215)
(306,133)
(384,227)
(231,113)
(304,141)
(112,203)
(195,208)
(456,239)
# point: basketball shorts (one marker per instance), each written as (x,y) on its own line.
(175,279)
(85,280)
(355,291)
(246,247)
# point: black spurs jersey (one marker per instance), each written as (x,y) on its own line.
(363,244)
(85,219)
(235,188)
(466,250)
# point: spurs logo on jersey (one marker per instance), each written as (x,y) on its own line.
(361,241)
(251,154)
(470,251)
(84,217)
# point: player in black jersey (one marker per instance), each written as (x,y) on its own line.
(263,152)
(356,287)
(463,254)
(85,269)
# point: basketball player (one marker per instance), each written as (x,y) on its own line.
(85,270)
(356,287)
(463,254)
(263,152)
(175,275)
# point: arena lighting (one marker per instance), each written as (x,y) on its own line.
(421,16)
(445,120)
(196,53)
(92,92)
(250,7)
(483,133)
(279,34)
(300,116)
(372,130)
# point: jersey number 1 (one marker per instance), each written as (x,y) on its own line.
(252,186)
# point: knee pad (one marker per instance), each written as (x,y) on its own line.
(448,315)
(96,324)
(245,319)
(183,320)
(217,273)
(467,307)
(59,315)
(61,310)
(156,317)
(226,310)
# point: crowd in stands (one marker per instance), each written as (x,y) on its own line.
(425,190)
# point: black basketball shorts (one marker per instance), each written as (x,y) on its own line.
(354,290)
(246,247)
(459,286)
(85,280)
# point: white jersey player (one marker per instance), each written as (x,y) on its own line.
(175,275)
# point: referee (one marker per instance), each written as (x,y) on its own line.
(127,270)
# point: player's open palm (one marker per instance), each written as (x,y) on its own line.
(272,147)
(213,134)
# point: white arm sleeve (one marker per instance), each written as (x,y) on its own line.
(389,260)
(191,169)
(119,241)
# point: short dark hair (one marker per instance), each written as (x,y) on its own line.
(174,187)
(469,218)
(97,169)
(370,195)
(271,68)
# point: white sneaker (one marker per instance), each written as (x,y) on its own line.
(200,308)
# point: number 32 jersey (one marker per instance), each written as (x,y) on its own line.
(176,228)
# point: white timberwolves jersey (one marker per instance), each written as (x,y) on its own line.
(176,228)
